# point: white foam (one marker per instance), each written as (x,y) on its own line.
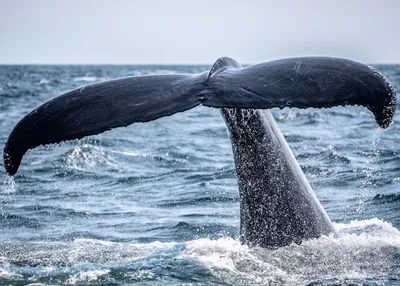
(89,78)
(131,154)
(4,269)
(150,72)
(360,250)
(113,252)
(140,275)
(89,276)
(164,71)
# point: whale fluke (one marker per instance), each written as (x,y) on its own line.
(296,82)
(317,82)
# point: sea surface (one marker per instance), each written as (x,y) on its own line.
(157,203)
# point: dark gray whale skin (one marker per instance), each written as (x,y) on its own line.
(278,206)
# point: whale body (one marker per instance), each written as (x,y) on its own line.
(277,204)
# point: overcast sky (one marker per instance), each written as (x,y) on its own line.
(188,31)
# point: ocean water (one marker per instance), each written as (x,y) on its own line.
(157,203)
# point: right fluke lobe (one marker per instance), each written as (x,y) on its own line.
(385,105)
(317,82)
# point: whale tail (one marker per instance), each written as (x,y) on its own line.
(297,82)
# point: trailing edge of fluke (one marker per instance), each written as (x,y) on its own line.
(295,82)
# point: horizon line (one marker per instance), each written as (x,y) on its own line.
(102,64)
(151,64)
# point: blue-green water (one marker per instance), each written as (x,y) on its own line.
(157,203)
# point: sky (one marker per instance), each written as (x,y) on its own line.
(199,32)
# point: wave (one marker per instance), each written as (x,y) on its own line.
(12,220)
(386,198)
(360,250)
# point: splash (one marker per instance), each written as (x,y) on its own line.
(9,185)
(361,250)
(89,157)
(371,171)
(90,276)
